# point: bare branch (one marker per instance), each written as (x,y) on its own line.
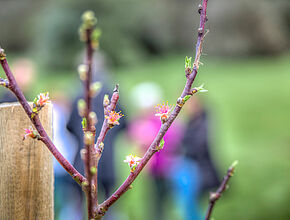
(214,196)
(89,131)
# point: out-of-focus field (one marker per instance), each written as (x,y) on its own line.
(249,105)
(249,102)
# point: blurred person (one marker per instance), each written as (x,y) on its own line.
(142,130)
(194,170)
(67,196)
(106,170)
(24,71)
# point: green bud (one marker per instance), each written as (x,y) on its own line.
(93,118)
(89,19)
(106,101)
(93,170)
(83,69)
(85,183)
(95,38)
(161,145)
(82,107)
(186,98)
(235,163)
(95,88)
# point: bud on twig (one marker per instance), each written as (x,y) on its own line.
(200,30)
(100,147)
(83,153)
(106,101)
(95,89)
(2,54)
(199,8)
(83,69)
(89,21)
(161,145)
(88,138)
(95,38)
(82,107)
(4,82)
(31,133)
(93,170)
(93,118)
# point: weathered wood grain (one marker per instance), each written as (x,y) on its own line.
(26,170)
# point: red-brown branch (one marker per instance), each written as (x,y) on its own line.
(214,196)
(92,185)
(14,88)
(190,74)
(105,128)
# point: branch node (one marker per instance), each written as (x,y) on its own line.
(4,83)
(2,54)
(200,31)
(199,9)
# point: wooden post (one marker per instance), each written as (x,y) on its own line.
(26,170)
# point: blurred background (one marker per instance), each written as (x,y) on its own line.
(246,66)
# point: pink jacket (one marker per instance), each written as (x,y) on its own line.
(143,131)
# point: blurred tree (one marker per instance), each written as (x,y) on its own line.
(15,16)
(135,29)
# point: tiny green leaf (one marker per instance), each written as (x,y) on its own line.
(84,123)
(235,163)
(161,145)
(186,97)
(201,89)
(188,62)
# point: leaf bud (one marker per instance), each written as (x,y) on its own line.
(95,88)
(88,138)
(82,105)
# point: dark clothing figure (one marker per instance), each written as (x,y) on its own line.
(194,170)
(8,97)
(196,147)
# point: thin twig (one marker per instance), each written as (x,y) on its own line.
(214,196)
(99,146)
(191,74)
(14,88)
(90,129)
